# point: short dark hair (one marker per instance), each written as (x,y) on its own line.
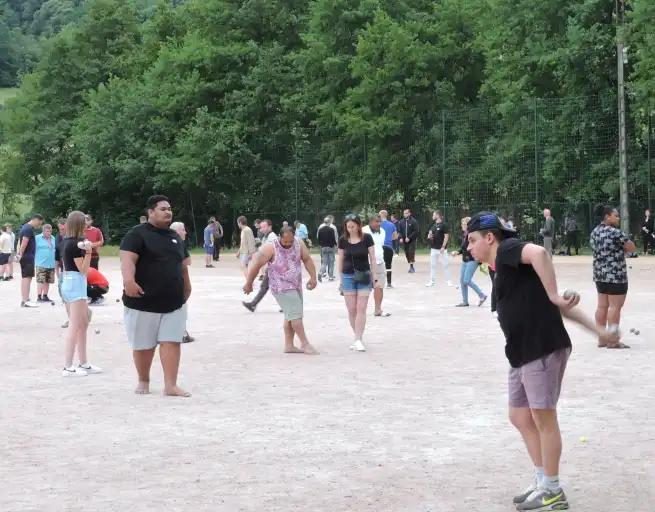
(607,210)
(242,220)
(498,235)
(152,201)
(257,221)
(36,216)
(375,217)
(267,221)
(438,212)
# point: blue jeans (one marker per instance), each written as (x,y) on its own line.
(466,279)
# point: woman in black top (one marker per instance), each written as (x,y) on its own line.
(356,266)
(76,259)
(468,268)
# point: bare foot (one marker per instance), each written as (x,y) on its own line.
(310,350)
(142,388)
(176,391)
(293,350)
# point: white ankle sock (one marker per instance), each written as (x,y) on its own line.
(550,482)
(539,474)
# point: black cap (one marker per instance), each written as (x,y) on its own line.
(490,221)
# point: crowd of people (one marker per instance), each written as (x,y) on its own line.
(156,285)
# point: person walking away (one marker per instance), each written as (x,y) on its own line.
(328,239)
(180,229)
(378,235)
(548,231)
(268,236)
(76,256)
(208,241)
(572,240)
(6,251)
(609,245)
(283,256)
(156,286)
(44,260)
(302,233)
(218,239)
(25,256)
(647,231)
(408,232)
(94,235)
(537,345)
(356,266)
(467,269)
(396,242)
(247,245)
(390,240)
(438,237)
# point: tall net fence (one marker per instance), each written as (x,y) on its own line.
(544,153)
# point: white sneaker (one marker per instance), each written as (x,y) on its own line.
(358,346)
(429,283)
(450,283)
(89,368)
(29,304)
(65,325)
(73,372)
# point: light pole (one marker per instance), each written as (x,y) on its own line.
(621,55)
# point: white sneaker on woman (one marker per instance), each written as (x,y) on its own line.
(71,371)
(429,283)
(358,346)
(89,368)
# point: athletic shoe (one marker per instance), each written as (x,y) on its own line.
(97,302)
(462,305)
(249,307)
(28,304)
(389,285)
(331,278)
(46,299)
(358,346)
(520,498)
(65,325)
(482,301)
(187,338)
(74,372)
(450,283)
(320,278)
(89,368)
(411,270)
(545,499)
(9,278)
(429,283)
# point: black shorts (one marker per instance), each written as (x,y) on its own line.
(4,258)
(612,288)
(26,268)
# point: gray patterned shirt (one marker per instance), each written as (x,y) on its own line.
(609,257)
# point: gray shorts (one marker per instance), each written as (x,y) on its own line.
(145,330)
(291,304)
(537,384)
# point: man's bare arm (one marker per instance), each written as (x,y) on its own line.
(308,262)
(261,258)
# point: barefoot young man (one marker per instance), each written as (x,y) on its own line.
(530,312)
(283,256)
(156,286)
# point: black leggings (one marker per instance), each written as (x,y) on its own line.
(388,258)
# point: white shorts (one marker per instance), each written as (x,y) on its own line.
(245,259)
(145,330)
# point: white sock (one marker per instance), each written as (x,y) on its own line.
(550,482)
(539,474)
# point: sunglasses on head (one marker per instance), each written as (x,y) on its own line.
(352,217)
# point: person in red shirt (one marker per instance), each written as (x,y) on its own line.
(93,235)
(96,286)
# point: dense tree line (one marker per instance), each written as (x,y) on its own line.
(225,105)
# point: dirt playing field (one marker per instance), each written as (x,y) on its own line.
(416,424)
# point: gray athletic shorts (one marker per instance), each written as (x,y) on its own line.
(537,384)
(291,304)
(145,330)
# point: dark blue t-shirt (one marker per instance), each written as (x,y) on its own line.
(27,231)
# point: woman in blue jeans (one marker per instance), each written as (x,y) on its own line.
(468,268)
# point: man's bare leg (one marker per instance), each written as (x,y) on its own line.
(289,347)
(521,418)
(299,329)
(378,294)
(169,353)
(551,439)
(142,363)
(25,288)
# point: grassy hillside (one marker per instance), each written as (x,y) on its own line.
(6,93)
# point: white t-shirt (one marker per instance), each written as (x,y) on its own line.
(5,243)
(269,238)
(378,240)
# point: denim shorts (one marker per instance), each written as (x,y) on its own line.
(73,287)
(348,285)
